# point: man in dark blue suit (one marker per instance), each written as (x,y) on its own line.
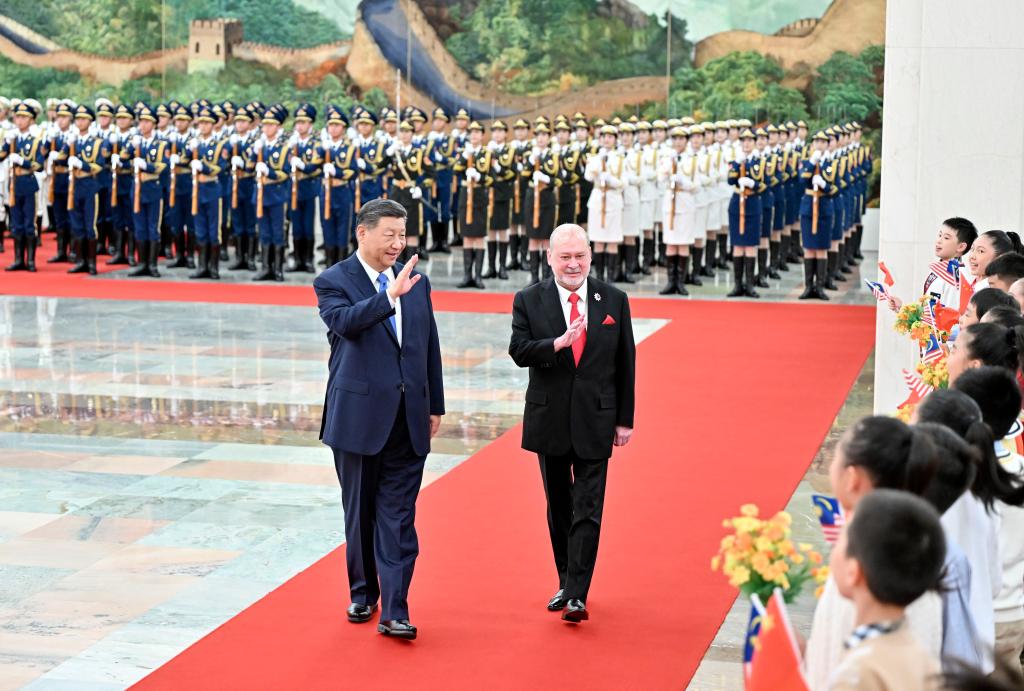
(384,403)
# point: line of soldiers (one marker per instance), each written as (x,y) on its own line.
(181,181)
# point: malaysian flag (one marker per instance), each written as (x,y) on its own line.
(933,351)
(918,389)
(928,313)
(750,643)
(878,290)
(947,271)
(830,515)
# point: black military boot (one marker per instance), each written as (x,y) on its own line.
(266,272)
(90,259)
(723,251)
(629,263)
(672,287)
(241,254)
(707,268)
(132,248)
(858,235)
(30,255)
(3,231)
(254,250)
(648,262)
(467,270)
(118,253)
(810,290)
(298,257)
(214,266)
(62,249)
(154,264)
(781,264)
(614,267)
(773,260)
(492,259)
(478,267)
(831,263)
(696,258)
(180,255)
(513,248)
(662,258)
(202,265)
(760,279)
(142,265)
(845,265)
(279,263)
(750,270)
(684,268)
(598,265)
(821,273)
(524,252)
(502,258)
(81,250)
(19,255)
(534,266)
(738,289)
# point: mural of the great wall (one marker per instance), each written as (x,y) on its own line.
(499,58)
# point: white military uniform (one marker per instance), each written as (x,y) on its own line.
(676,175)
(607,170)
(650,194)
(631,199)
(700,177)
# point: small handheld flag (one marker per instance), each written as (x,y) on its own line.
(949,272)
(830,515)
(777,664)
(888,276)
(750,643)
(918,389)
(878,290)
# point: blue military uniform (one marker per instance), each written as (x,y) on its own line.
(150,173)
(121,199)
(441,148)
(340,172)
(209,158)
(273,184)
(370,162)
(243,204)
(307,178)
(745,227)
(817,212)
(179,194)
(57,159)
(104,219)
(28,153)
(86,156)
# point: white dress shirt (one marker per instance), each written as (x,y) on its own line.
(563,297)
(396,303)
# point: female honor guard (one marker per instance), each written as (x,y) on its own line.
(149,161)
(409,165)
(517,237)
(306,161)
(89,155)
(816,219)
(648,193)
(718,217)
(339,173)
(767,158)
(606,172)
(632,155)
(679,222)
(745,177)
(540,168)
(836,166)
(209,157)
(272,193)
(566,184)
(700,176)
(473,167)
(503,158)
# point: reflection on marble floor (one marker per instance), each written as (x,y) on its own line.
(722,666)
(160,470)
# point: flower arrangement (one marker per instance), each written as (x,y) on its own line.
(934,374)
(760,556)
(910,322)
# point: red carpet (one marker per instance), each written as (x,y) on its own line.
(733,402)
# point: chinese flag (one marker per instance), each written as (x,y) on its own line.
(776,666)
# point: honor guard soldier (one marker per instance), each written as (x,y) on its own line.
(540,168)
(474,168)
(459,137)
(410,168)
(700,175)
(517,237)
(369,159)
(745,215)
(499,204)
(802,148)
(606,172)
(121,189)
(718,218)
(306,168)
(339,184)
(86,155)
(632,155)
(209,156)
(5,125)
(164,129)
(441,149)
(565,189)
(679,221)
(781,179)
(767,169)
(222,129)
(866,166)
(836,171)
(25,154)
(103,127)
(148,153)
(648,172)
(388,132)
(272,192)
(243,185)
(59,132)
(179,193)
(816,218)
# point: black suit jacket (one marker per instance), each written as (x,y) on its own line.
(569,406)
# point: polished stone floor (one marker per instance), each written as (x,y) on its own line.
(160,470)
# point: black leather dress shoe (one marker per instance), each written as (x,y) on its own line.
(397,628)
(359,614)
(575,612)
(557,602)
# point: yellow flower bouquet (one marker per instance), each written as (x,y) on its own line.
(934,374)
(910,322)
(760,556)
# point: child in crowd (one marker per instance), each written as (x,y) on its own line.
(955,239)
(981,302)
(890,554)
(1006,269)
(1017,291)
(988,246)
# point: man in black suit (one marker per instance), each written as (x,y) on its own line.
(384,403)
(576,336)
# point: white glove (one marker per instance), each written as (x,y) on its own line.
(607,179)
(361,164)
(815,157)
(233,140)
(534,154)
(680,179)
(74,162)
(174,159)
(262,169)
(330,170)
(297,163)
(473,174)
(193,144)
(438,157)
(10,135)
(115,161)
(196,166)
(237,162)
(257,146)
(391,150)
(432,136)
(496,167)
(53,156)
(16,159)
(416,193)
(115,138)
(541,177)
(139,164)
(818,182)
(746,182)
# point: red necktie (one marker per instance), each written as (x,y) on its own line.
(574,314)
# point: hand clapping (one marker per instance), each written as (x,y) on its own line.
(572,334)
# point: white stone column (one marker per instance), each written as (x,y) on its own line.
(952,145)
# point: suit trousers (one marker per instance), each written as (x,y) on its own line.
(574,488)
(379,495)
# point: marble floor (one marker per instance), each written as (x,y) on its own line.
(160,471)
